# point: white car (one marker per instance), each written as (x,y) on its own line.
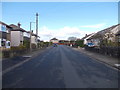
(7,44)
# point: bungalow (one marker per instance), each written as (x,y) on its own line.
(107,36)
(4,35)
(86,38)
(17,35)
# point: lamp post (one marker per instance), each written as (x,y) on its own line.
(31,35)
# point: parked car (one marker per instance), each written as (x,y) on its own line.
(90,45)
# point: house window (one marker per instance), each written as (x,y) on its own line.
(3,28)
(3,43)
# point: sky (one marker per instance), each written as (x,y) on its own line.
(61,19)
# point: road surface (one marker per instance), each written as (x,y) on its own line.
(61,67)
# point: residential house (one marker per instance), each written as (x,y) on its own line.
(4,35)
(54,40)
(63,42)
(86,38)
(26,36)
(34,39)
(107,36)
(118,38)
(17,35)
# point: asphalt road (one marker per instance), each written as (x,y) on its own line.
(61,67)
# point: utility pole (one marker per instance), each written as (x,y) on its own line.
(37,27)
(31,35)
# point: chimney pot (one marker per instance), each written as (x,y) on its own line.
(19,25)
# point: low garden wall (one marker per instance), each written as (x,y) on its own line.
(111,51)
(11,53)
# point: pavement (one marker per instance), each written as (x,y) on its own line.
(111,61)
(61,67)
(11,63)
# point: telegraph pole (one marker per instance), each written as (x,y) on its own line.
(31,35)
(37,24)
(30,38)
(37,27)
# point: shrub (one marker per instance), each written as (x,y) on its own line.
(20,47)
(79,43)
(34,46)
(26,44)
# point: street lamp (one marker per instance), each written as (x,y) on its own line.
(31,35)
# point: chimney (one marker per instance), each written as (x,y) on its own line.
(19,25)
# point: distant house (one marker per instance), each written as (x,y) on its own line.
(54,40)
(5,35)
(17,35)
(72,38)
(63,42)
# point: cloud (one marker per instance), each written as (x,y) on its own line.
(94,26)
(62,33)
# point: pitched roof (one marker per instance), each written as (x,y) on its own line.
(16,28)
(54,39)
(88,36)
(4,24)
(101,33)
(118,33)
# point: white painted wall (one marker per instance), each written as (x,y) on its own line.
(16,37)
(33,40)
(85,40)
(0,42)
